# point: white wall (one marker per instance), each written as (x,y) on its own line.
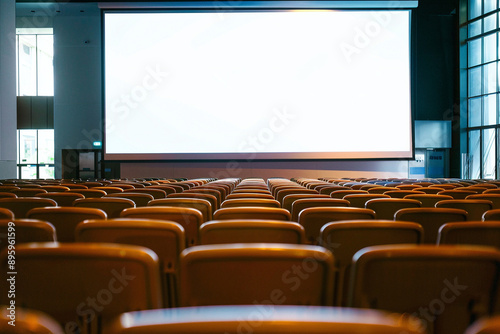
(77,73)
(8,117)
(309,169)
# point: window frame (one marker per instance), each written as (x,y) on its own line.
(36,32)
(477,112)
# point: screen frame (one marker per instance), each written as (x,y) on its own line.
(254,6)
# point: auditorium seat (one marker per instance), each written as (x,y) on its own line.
(359,200)
(341,193)
(211,198)
(167,189)
(6,214)
(431,219)
(402,193)
(289,199)
(280,194)
(385,208)
(457,193)
(89,193)
(27,184)
(369,186)
(156,193)
(65,198)
(494,198)
(320,185)
(251,185)
(345,238)
(223,189)
(26,230)
(486,185)
(165,238)
(256,190)
(303,203)
(491,215)
(470,233)
(428,200)
(190,219)
(84,285)
(200,204)
(27,321)
(486,325)
(183,185)
(74,185)
(431,190)
(446,186)
(409,186)
(123,186)
(313,219)
(476,188)
(109,189)
(20,206)
(7,195)
(92,184)
(242,274)
(251,231)
(178,188)
(261,319)
(235,195)
(475,207)
(214,192)
(355,185)
(140,199)
(313,183)
(381,189)
(252,212)
(447,287)
(328,189)
(8,188)
(55,188)
(261,202)
(28,192)
(423,183)
(65,219)
(113,206)
(289,186)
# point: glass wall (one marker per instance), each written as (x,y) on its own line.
(483,87)
(35,77)
(35,69)
(35,158)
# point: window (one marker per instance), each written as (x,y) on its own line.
(35,71)
(483,87)
(35,154)
(35,77)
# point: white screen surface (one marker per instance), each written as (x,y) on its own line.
(271,84)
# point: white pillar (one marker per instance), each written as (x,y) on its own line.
(8,112)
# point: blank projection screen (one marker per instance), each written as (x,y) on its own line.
(290,84)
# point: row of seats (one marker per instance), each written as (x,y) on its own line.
(88,285)
(206,263)
(311,212)
(354,197)
(227,319)
(168,238)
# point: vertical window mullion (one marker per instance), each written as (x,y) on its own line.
(480,157)
(17,64)
(496,152)
(36,66)
(37,140)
